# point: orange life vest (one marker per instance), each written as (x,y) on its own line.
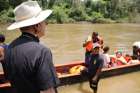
(89,46)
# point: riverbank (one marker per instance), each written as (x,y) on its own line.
(71,11)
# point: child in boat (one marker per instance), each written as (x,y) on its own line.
(106,57)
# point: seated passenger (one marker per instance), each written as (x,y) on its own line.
(138,53)
(118,59)
(106,57)
(128,58)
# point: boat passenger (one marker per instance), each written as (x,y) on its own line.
(128,58)
(136,46)
(94,67)
(138,53)
(106,57)
(88,46)
(89,43)
(27,64)
(97,39)
(119,59)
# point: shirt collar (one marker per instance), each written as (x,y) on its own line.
(30,36)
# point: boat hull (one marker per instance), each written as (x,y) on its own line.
(106,72)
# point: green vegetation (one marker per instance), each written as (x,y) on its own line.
(70,11)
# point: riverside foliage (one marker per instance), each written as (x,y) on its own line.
(71,11)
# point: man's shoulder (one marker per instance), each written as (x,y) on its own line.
(43,47)
(29,46)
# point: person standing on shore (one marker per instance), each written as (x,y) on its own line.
(27,64)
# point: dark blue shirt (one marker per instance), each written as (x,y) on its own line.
(28,65)
(94,64)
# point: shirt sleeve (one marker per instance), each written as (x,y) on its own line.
(46,74)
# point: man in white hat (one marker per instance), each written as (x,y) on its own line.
(28,64)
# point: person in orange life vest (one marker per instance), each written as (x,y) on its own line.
(88,46)
(97,39)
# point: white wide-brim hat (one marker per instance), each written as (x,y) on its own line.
(27,14)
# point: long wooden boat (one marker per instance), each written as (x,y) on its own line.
(70,78)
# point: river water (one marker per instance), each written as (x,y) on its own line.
(65,41)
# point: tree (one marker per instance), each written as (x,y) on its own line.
(4,5)
(14,3)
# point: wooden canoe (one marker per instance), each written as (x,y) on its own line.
(68,78)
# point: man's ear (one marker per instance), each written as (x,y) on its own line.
(37,28)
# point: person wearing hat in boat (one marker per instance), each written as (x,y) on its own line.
(28,64)
(95,66)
